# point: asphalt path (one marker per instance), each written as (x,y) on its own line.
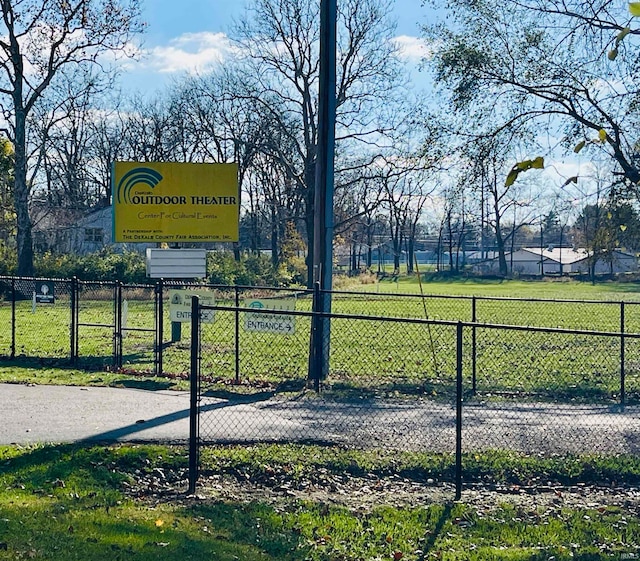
(61,414)
(39,413)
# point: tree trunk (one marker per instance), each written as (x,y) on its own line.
(275,237)
(310,225)
(502,260)
(410,253)
(21,196)
(450,241)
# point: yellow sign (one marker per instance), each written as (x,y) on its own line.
(175,202)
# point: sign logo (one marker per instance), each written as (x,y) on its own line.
(138,176)
(44,293)
(264,322)
(180,305)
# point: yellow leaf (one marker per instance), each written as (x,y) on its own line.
(623,227)
(602,135)
(634,9)
(620,36)
(159,523)
(511,178)
(538,163)
(612,54)
(579,146)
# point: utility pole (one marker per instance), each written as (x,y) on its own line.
(324,178)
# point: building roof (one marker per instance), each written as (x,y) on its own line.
(565,255)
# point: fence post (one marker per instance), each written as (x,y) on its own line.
(117,340)
(237,334)
(195,390)
(474,319)
(316,339)
(13,317)
(622,357)
(74,320)
(159,326)
(458,411)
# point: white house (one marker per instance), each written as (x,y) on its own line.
(79,234)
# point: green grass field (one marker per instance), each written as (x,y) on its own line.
(308,503)
(367,355)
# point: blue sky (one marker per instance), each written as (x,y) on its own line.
(190,36)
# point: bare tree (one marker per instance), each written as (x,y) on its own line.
(62,128)
(407,189)
(39,39)
(280,41)
(545,63)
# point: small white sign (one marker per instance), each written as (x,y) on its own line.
(44,293)
(270,323)
(176,263)
(180,305)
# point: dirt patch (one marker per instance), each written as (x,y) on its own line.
(365,493)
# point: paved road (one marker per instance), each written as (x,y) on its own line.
(65,414)
(32,414)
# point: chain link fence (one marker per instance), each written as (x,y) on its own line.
(415,384)
(106,325)
(36,321)
(441,374)
(551,391)
(381,370)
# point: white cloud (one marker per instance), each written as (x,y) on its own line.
(412,49)
(191,52)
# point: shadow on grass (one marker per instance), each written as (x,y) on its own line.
(148,385)
(87,369)
(66,502)
(344,390)
(90,363)
(62,363)
(433,535)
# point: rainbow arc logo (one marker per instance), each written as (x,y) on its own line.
(137,176)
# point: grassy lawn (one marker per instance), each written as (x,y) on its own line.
(310,503)
(549,288)
(371,355)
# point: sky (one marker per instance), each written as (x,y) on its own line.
(190,36)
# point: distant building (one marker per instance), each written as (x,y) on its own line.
(68,231)
(559,261)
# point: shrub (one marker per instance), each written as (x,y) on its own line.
(222,268)
(104,265)
(252,270)
(8,260)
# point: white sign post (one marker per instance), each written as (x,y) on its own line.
(264,322)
